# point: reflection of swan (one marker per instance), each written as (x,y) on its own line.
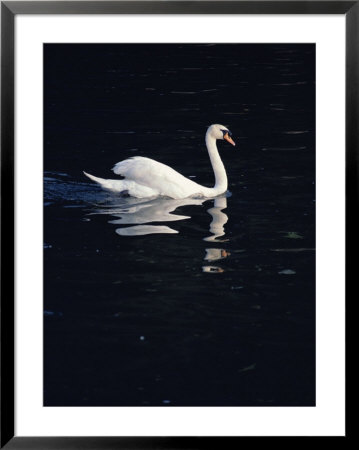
(145,177)
(214,254)
(128,211)
(212,269)
(219,219)
(156,210)
(134,211)
(140,230)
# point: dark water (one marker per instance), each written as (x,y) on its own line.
(168,302)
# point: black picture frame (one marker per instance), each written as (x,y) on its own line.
(9,10)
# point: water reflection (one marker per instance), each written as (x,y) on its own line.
(212,269)
(215,254)
(219,219)
(216,227)
(141,230)
(155,210)
(139,213)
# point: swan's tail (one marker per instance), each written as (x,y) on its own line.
(128,187)
(113,185)
(97,180)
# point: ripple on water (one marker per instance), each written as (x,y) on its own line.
(184,92)
(287,272)
(296,132)
(283,149)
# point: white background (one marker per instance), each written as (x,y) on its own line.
(327,418)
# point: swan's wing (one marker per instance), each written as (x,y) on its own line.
(140,168)
(158,176)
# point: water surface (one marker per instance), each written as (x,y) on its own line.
(195,302)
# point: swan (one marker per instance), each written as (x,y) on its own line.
(145,177)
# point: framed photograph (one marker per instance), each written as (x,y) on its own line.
(176,180)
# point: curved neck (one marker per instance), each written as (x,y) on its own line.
(220,175)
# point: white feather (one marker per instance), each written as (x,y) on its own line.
(145,177)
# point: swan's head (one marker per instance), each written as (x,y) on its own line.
(218,131)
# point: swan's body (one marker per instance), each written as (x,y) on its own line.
(145,177)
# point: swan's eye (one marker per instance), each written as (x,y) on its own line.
(226,132)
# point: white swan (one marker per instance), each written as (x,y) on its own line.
(145,177)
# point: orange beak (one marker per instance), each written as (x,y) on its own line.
(229,139)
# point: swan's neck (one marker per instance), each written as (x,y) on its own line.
(221,182)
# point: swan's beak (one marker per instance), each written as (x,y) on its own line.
(229,139)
